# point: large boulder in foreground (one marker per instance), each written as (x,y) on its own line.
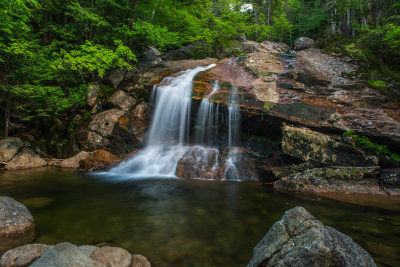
(9,147)
(299,239)
(24,255)
(26,159)
(17,226)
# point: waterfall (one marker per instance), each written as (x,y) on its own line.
(167,152)
(207,119)
(168,131)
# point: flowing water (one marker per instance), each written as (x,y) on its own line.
(176,222)
(169,141)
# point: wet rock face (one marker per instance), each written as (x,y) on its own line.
(323,149)
(303,43)
(26,159)
(346,180)
(23,256)
(299,239)
(9,147)
(17,226)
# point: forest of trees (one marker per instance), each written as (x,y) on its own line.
(51,49)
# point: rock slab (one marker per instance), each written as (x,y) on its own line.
(299,239)
(112,256)
(17,226)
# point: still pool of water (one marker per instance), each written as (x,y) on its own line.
(177,222)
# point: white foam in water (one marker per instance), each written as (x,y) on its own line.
(168,131)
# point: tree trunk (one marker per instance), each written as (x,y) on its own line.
(7,115)
(269,12)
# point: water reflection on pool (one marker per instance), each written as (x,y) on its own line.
(177,222)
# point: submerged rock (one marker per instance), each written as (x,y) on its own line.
(24,255)
(347,180)
(299,239)
(9,147)
(26,159)
(17,226)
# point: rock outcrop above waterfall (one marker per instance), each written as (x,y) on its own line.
(17,226)
(303,43)
(299,239)
(67,254)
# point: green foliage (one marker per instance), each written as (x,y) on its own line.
(45,101)
(95,59)
(364,143)
(377,84)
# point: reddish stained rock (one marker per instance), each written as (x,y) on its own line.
(17,226)
(99,160)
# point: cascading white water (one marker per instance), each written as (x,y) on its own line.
(231,171)
(207,119)
(168,131)
(168,136)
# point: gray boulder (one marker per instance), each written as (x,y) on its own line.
(17,226)
(149,58)
(194,50)
(299,239)
(121,101)
(9,147)
(104,122)
(65,254)
(24,255)
(303,43)
(115,77)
